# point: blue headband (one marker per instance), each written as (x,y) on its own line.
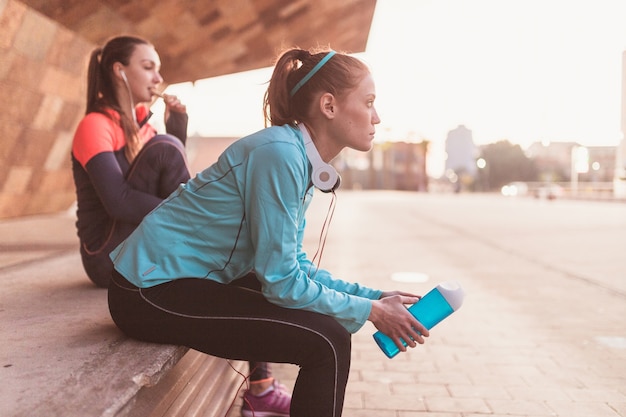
(311,73)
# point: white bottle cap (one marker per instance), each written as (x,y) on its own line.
(452,292)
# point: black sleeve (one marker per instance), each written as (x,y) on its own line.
(177,125)
(120,200)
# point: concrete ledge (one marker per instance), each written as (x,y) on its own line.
(110,382)
(199,385)
(61,354)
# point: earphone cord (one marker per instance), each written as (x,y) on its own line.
(324,233)
(132,103)
(246,381)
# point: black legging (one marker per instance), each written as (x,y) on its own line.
(236,322)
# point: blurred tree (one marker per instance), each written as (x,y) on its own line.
(505,163)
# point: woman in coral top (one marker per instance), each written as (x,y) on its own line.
(122,168)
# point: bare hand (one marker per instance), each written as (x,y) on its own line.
(390,316)
(173,104)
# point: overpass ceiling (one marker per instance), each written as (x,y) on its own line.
(199,39)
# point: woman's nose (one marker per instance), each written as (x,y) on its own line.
(375,118)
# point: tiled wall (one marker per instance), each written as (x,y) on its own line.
(42,95)
(44,47)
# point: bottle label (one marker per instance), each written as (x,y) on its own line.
(429,310)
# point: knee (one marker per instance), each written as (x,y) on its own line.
(165,142)
(343,342)
(98,270)
(162,150)
(334,340)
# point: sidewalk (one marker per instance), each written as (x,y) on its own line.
(541,332)
(34,238)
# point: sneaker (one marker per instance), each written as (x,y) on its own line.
(275,403)
(280,387)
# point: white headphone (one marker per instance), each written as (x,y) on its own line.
(324,176)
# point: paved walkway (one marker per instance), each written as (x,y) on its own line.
(542,331)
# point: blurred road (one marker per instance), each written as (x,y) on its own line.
(542,331)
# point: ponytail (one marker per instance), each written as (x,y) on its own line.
(93,80)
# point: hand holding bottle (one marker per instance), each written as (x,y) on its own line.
(435,306)
(390,316)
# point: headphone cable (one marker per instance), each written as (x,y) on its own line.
(323,235)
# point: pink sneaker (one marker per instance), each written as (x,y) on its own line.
(275,403)
(280,387)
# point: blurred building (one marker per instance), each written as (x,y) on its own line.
(554,161)
(601,164)
(461,152)
(389,165)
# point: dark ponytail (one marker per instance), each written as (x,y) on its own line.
(282,105)
(94,80)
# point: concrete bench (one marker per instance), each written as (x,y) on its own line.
(61,354)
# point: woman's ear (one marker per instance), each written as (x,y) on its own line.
(118,70)
(327,105)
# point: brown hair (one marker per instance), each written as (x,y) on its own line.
(101,95)
(339,74)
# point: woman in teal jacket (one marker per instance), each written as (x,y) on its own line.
(219,265)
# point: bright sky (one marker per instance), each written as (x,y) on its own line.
(520,70)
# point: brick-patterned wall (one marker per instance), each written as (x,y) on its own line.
(44,46)
(42,95)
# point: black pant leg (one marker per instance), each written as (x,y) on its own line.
(237,323)
(160,167)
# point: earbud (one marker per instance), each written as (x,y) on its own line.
(324,176)
(123,74)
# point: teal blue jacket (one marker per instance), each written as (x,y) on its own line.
(244,213)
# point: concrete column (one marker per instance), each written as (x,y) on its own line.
(619,179)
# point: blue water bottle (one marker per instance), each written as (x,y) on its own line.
(436,305)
